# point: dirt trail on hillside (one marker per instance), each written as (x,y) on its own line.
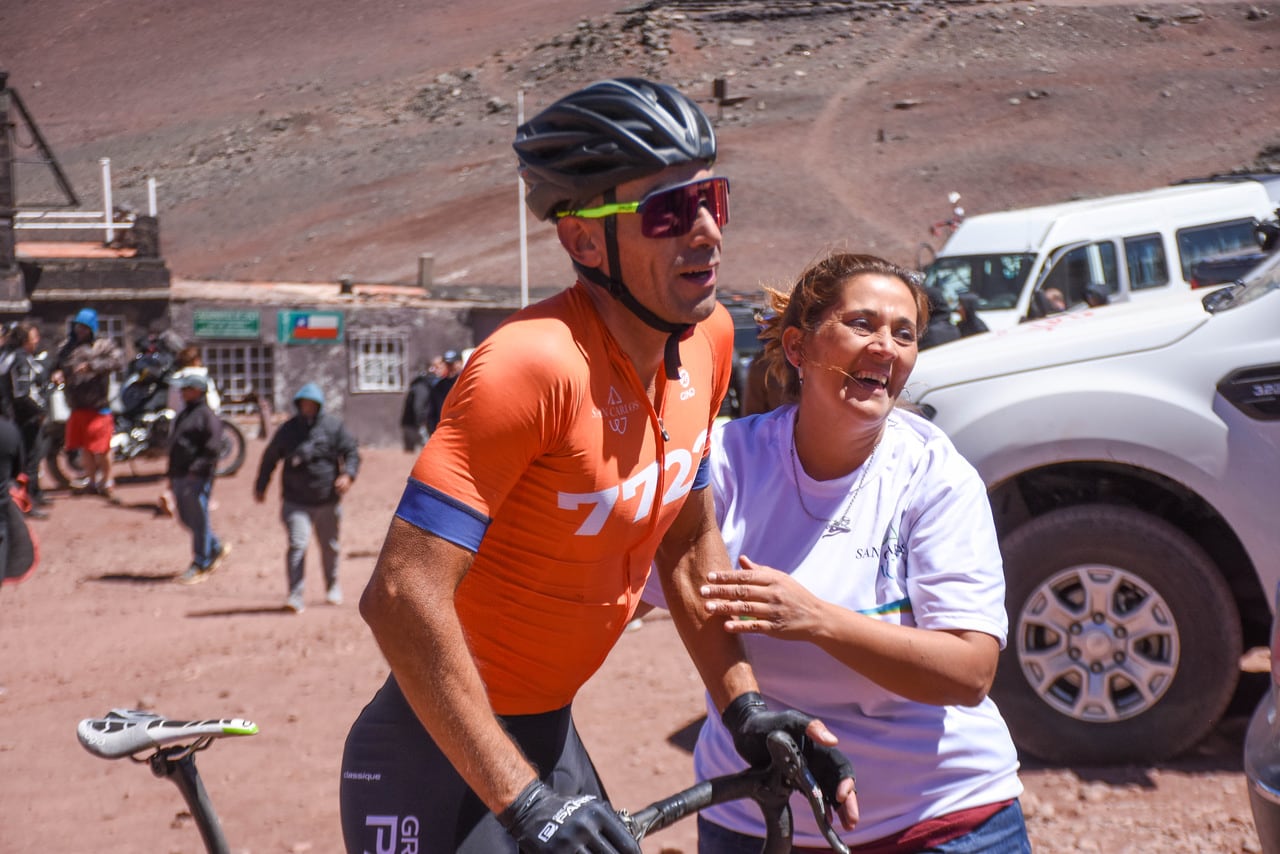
(298,143)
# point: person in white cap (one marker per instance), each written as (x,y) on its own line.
(193,456)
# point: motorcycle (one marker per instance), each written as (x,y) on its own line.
(143,422)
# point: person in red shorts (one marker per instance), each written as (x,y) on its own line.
(570,458)
(84,364)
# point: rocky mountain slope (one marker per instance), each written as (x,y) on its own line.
(304,140)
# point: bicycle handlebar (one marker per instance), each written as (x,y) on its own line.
(770,787)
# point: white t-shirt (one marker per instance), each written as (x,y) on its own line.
(922,551)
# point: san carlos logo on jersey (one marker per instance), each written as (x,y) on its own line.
(617,411)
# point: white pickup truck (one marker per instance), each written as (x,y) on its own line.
(1132,456)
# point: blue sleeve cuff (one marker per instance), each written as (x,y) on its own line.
(702,479)
(439,514)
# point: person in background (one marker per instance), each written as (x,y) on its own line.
(868,583)
(940,329)
(1096,295)
(26,375)
(435,406)
(762,392)
(417,400)
(320,463)
(11,464)
(1054,301)
(970,323)
(186,362)
(193,458)
(530,521)
(85,364)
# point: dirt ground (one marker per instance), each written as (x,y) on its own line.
(303,139)
(103,625)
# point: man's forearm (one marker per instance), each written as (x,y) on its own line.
(448,697)
(718,655)
(692,549)
(414,622)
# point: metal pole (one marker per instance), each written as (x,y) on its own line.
(107,216)
(52,162)
(524,228)
(8,192)
(151,195)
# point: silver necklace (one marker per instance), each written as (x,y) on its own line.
(840,525)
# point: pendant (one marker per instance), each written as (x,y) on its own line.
(838,526)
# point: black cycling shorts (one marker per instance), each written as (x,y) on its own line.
(400,794)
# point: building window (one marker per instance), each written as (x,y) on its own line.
(378,362)
(241,371)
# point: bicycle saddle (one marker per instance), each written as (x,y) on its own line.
(124,732)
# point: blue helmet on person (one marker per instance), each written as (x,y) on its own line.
(88,318)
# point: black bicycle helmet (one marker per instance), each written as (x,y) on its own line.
(589,142)
(608,133)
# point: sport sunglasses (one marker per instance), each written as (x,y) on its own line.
(670,211)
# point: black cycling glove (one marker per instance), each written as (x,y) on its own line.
(749,721)
(545,822)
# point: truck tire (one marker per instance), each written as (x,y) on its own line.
(1124,639)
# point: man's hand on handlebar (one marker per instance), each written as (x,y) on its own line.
(749,721)
(543,821)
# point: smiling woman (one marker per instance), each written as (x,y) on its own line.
(869,586)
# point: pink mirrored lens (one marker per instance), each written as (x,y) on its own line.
(672,212)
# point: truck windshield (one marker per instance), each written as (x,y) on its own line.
(996,279)
(1264,279)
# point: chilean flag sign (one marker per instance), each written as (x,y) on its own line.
(310,327)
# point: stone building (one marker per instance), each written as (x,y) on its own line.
(362,344)
(261,341)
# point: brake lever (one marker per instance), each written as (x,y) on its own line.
(796,774)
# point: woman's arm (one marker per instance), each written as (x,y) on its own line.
(939,667)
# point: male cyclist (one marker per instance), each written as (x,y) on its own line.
(570,458)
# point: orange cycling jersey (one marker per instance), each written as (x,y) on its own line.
(550,463)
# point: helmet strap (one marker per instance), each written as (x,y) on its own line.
(618,290)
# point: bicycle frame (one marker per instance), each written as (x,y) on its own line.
(125,732)
(179,765)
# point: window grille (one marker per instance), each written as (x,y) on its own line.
(378,362)
(239,370)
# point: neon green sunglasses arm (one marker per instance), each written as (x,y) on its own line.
(602,210)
